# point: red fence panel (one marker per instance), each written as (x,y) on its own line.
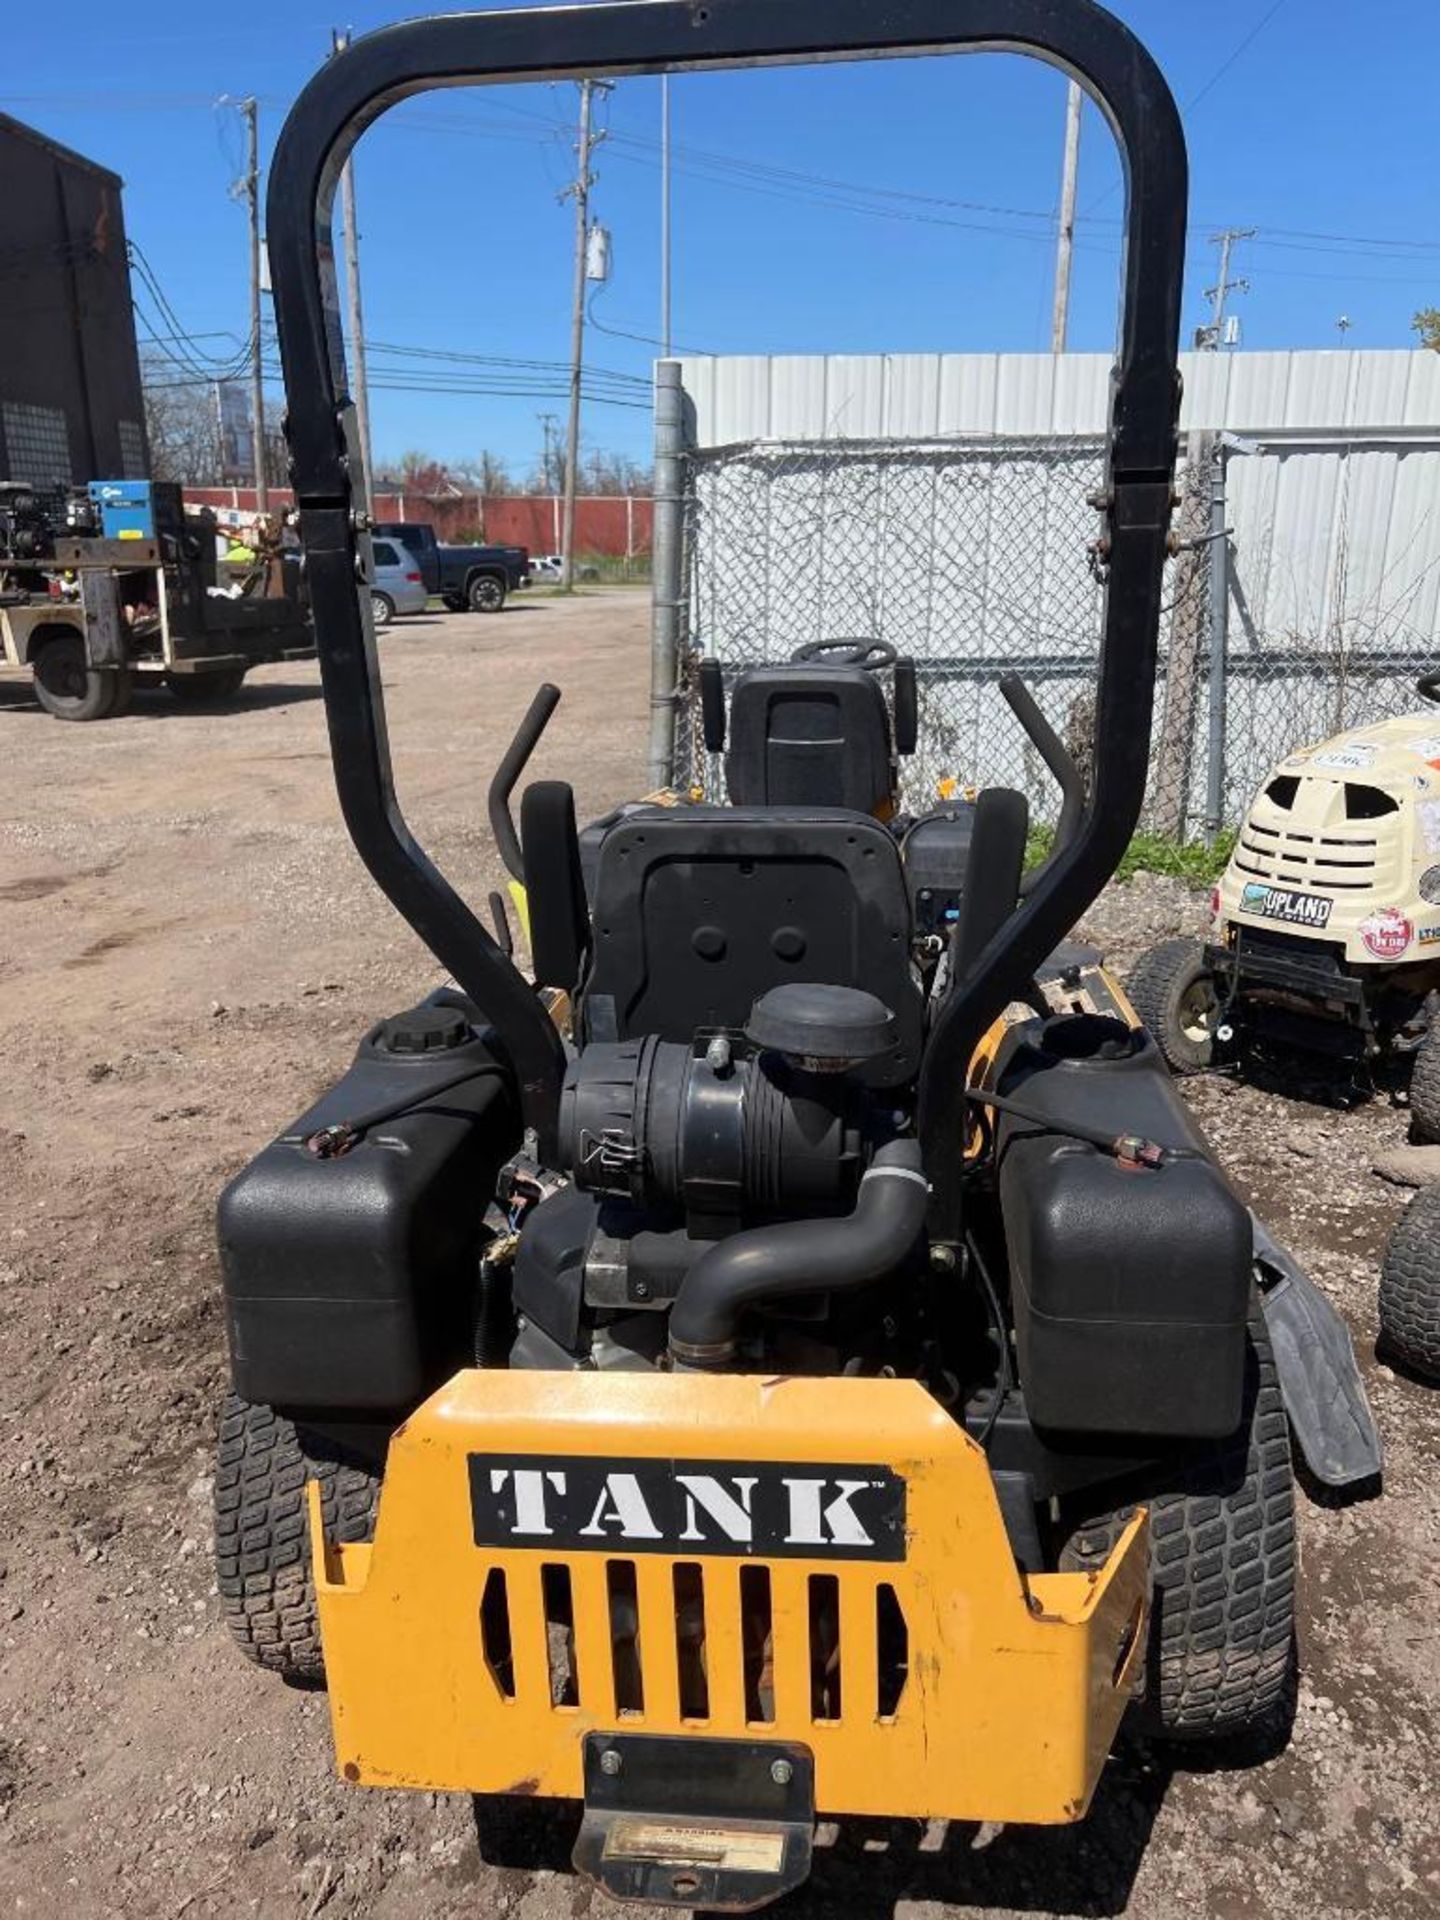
(615,525)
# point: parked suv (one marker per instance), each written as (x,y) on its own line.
(397,584)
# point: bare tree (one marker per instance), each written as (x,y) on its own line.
(182,426)
(182,422)
(487,473)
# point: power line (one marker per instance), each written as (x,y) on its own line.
(1230,59)
(715,164)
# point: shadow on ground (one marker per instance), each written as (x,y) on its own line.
(871,1866)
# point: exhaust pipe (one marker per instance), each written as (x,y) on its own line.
(800,1256)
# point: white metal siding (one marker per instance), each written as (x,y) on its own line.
(918,395)
(829,496)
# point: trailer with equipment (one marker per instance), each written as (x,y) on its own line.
(117,584)
(794,1355)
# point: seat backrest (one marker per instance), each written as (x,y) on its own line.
(697,911)
(807,735)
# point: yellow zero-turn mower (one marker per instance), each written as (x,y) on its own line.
(795,1356)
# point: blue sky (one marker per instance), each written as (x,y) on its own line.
(921,217)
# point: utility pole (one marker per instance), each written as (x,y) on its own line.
(665,216)
(360,381)
(581,191)
(1065,239)
(251,110)
(1210,339)
(547,469)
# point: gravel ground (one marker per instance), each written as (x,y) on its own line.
(189,949)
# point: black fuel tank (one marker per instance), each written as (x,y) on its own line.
(1131,1285)
(349,1281)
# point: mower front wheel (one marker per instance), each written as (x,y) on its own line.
(1173,991)
(262,1531)
(1425,1088)
(1410,1288)
(1220,1660)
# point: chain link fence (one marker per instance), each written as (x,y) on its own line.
(973,556)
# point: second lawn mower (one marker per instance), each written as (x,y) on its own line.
(1326,924)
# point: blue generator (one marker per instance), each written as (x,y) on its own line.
(127,508)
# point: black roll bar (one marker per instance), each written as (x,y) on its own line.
(354,87)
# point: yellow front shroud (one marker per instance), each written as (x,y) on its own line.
(1014,1684)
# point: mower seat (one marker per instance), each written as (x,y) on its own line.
(810,736)
(697,911)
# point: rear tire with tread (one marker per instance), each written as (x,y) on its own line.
(1425,1088)
(262,1531)
(1220,1659)
(1167,986)
(1410,1287)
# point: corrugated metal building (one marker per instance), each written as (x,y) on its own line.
(900,396)
(939,501)
(71,408)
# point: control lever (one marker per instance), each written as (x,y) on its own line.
(504,939)
(514,763)
(1052,750)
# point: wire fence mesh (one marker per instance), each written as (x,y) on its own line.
(974,557)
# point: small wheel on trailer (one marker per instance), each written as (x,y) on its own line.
(1173,991)
(486,593)
(206,689)
(1410,1288)
(1425,1088)
(67,686)
(454,602)
(382,607)
(262,1531)
(1220,1660)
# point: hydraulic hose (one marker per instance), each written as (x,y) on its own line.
(800,1256)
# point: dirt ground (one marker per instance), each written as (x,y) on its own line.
(188,951)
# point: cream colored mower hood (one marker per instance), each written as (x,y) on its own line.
(1342,844)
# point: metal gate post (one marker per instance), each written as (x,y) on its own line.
(1219,638)
(667,570)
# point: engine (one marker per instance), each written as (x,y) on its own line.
(744,1185)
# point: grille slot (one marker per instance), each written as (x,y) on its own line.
(892,1644)
(823,1595)
(690,1649)
(757,1636)
(495,1637)
(627,1666)
(560,1652)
